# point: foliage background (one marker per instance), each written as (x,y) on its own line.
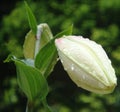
(98,20)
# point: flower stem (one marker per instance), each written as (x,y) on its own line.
(29,106)
(46,106)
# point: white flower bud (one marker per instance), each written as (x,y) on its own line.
(87,64)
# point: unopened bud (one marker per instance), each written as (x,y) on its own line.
(87,64)
(33,43)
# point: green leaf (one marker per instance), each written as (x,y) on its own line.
(47,56)
(30,80)
(9,58)
(31,19)
(67,31)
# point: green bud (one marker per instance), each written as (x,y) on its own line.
(33,43)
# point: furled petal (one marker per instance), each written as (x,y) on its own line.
(86,63)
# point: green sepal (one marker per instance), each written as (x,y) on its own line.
(31,18)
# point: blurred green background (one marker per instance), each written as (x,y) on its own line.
(98,20)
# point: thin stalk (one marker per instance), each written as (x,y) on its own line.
(29,107)
(46,106)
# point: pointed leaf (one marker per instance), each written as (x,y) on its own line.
(31,19)
(67,31)
(30,80)
(47,56)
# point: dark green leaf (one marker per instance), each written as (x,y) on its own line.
(31,19)
(47,56)
(30,80)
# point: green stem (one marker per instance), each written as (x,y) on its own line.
(29,107)
(46,106)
